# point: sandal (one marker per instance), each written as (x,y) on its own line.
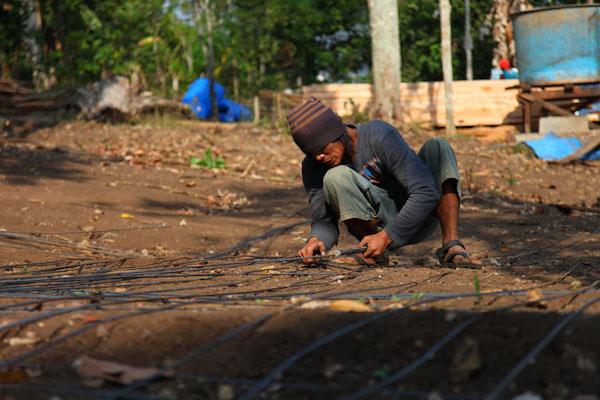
(444,258)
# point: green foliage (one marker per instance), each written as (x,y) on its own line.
(511,180)
(477,287)
(267,44)
(209,160)
(382,372)
(12,51)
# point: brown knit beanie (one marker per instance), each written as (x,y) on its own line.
(314,125)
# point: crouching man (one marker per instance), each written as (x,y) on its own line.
(367,177)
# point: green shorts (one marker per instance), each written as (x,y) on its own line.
(352,196)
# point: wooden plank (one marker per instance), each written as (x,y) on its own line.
(548,106)
(481,102)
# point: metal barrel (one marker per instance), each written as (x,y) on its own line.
(557,45)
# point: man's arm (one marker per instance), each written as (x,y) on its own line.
(408,169)
(324,221)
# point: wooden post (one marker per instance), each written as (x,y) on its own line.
(468,41)
(447,65)
(278,112)
(256,110)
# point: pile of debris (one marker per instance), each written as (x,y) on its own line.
(21,106)
(23,109)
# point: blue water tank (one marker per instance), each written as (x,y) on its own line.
(558,45)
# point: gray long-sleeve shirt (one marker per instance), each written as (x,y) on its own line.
(384,158)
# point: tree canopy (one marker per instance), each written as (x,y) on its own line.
(274,44)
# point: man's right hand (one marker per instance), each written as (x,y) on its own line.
(312,247)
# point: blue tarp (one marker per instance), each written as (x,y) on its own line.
(551,147)
(198,98)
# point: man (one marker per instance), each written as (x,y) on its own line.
(370,179)
(507,71)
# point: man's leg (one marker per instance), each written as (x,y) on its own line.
(359,228)
(439,157)
(355,200)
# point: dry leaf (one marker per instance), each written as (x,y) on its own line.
(534,295)
(466,360)
(13,375)
(349,305)
(299,299)
(91,369)
(225,392)
(88,319)
(185,211)
(312,305)
(120,290)
(33,372)
(101,331)
(29,339)
(331,369)
(528,396)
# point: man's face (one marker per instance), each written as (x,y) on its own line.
(332,154)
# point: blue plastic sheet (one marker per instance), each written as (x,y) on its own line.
(551,147)
(197,97)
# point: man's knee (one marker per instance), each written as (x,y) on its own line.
(436,147)
(338,178)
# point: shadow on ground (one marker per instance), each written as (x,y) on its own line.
(470,365)
(25,164)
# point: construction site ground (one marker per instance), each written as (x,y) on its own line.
(113,248)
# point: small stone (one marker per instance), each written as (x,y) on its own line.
(528,396)
(225,392)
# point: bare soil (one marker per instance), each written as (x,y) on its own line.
(114,247)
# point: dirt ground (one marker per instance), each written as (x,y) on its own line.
(112,246)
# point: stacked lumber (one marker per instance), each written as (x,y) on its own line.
(476,103)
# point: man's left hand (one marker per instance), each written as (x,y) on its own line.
(376,244)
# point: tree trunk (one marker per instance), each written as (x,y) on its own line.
(235,79)
(468,41)
(502,27)
(204,26)
(33,26)
(385,47)
(447,64)
(210,65)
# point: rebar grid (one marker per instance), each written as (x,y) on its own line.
(84,279)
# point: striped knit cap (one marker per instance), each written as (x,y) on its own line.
(314,125)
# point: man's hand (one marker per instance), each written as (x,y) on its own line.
(312,247)
(376,244)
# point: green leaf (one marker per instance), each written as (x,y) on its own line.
(477,286)
(417,296)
